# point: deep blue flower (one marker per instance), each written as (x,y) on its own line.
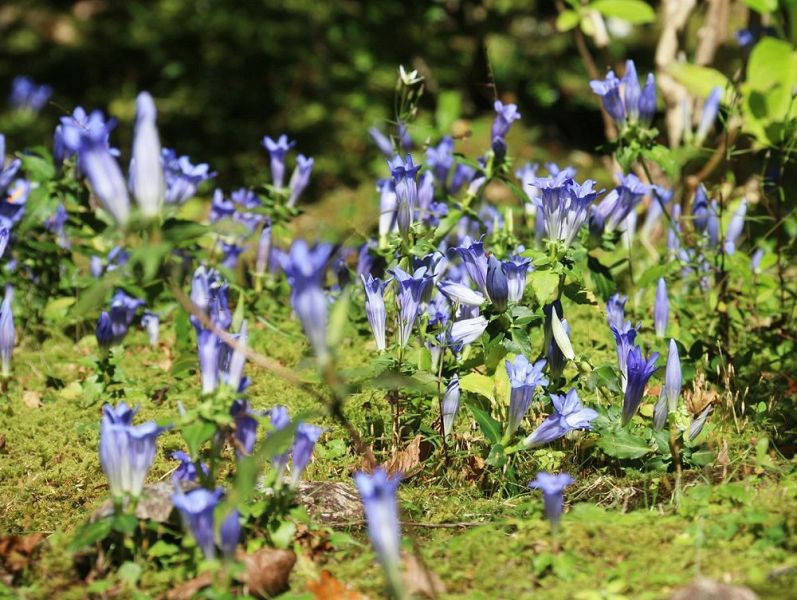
(524,377)
(209,349)
(609,91)
(735,228)
(425,210)
(636,104)
(515,269)
(661,308)
(410,292)
(4,235)
(146,168)
(616,206)
(27,94)
(404,174)
(123,313)
(462,175)
(301,452)
(220,207)
(305,269)
(277,149)
(647,101)
(197,507)
(565,205)
(700,210)
(6,333)
(233,374)
(375,308)
(126,450)
(475,261)
(505,115)
(624,338)
(378,494)
(640,371)
(181,177)
(450,404)
(552,488)
(615,310)
(104,331)
(245,427)
(231,252)
(230,534)
(300,178)
(710,109)
(568,415)
(496,283)
(186,470)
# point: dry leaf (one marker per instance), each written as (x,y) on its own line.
(32,399)
(155,504)
(267,571)
(407,461)
(420,581)
(707,589)
(189,589)
(331,501)
(330,588)
(17,550)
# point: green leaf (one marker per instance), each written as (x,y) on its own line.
(664,158)
(636,12)
(91,533)
(567,20)
(489,426)
(622,444)
(161,549)
(762,6)
(479,384)
(652,275)
(197,434)
(37,168)
(129,573)
(601,277)
(544,284)
(179,231)
(699,81)
(57,309)
(338,318)
(497,456)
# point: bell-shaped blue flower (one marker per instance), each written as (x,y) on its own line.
(524,377)
(450,405)
(300,178)
(640,371)
(6,334)
(505,115)
(661,308)
(496,283)
(409,295)
(104,175)
(277,150)
(302,451)
(375,309)
(515,268)
(197,507)
(146,168)
(615,310)
(568,415)
(552,488)
(735,228)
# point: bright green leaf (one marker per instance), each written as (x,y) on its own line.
(636,12)
(622,444)
(479,384)
(698,80)
(567,20)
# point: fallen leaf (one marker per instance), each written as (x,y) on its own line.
(407,461)
(330,588)
(32,399)
(420,581)
(707,589)
(267,571)
(331,501)
(17,550)
(189,589)
(155,504)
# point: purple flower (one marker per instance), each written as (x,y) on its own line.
(304,442)
(234,373)
(696,426)
(466,331)
(122,313)
(496,283)
(476,263)
(375,309)
(755,260)
(700,214)
(515,269)
(126,450)
(197,507)
(104,174)
(440,159)
(564,205)
(460,293)
(230,534)
(640,371)
(556,358)
(647,101)
(568,415)
(150,321)
(388,205)
(186,470)
(710,109)
(450,404)
(735,228)
(624,338)
(280,420)
(231,253)
(616,206)
(263,250)
(674,230)
(305,268)
(378,494)
(209,348)
(300,178)
(220,207)
(181,178)
(552,488)
(4,235)
(609,91)
(404,174)
(27,94)
(637,105)
(673,381)
(410,292)
(524,377)
(6,333)
(632,91)
(146,169)
(462,175)
(505,115)
(277,149)
(615,310)
(104,331)
(245,427)
(382,141)
(661,308)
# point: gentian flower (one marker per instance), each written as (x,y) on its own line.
(466,331)
(378,494)
(564,205)
(615,310)
(231,253)
(637,105)
(640,371)
(209,348)
(568,415)
(735,228)
(12,206)
(696,426)
(277,149)
(382,142)
(220,207)
(460,293)
(450,405)
(713,226)
(304,442)
(126,450)
(674,230)
(181,178)
(104,174)
(755,260)
(305,268)
(388,205)
(710,109)
(497,286)
(609,91)
(524,378)
(624,339)
(27,94)
(68,134)
(552,488)
(146,169)
(186,470)
(462,175)
(617,205)
(104,331)
(55,224)
(409,295)
(299,178)
(439,310)
(150,321)
(661,308)
(263,250)
(440,159)
(230,534)
(647,101)
(197,507)
(426,198)
(6,334)
(475,261)
(505,115)
(4,235)
(700,209)
(245,427)
(375,309)
(515,269)
(560,335)
(673,381)
(7,172)
(122,313)
(404,174)
(632,91)
(280,420)
(556,359)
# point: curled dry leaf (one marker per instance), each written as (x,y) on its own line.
(267,571)
(330,588)
(406,461)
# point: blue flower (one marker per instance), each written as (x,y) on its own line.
(609,91)
(104,174)
(524,377)
(440,159)
(460,293)
(263,256)
(230,534)
(616,206)
(304,442)
(515,269)
(280,420)
(277,149)
(181,178)
(388,204)
(552,487)
(378,494)
(568,415)
(12,206)
(220,207)
(462,175)
(146,168)
(615,310)
(27,94)
(4,235)
(245,427)
(735,228)
(404,174)
(696,426)
(450,404)
(151,321)
(231,252)
(382,142)
(466,331)
(6,333)
(710,109)
(475,261)
(700,214)
(300,178)
(410,292)
(496,283)
(209,349)
(661,308)
(186,470)
(305,268)
(636,105)
(640,371)
(565,205)
(197,507)
(624,338)
(556,358)
(104,331)
(673,381)
(755,260)
(126,450)
(123,313)
(375,309)
(505,115)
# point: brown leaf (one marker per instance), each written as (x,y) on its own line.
(330,588)
(16,550)
(420,581)
(189,589)
(330,501)
(707,589)
(32,399)
(267,571)
(407,461)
